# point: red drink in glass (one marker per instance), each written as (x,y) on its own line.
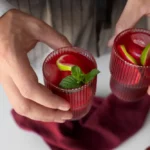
(80,98)
(129,82)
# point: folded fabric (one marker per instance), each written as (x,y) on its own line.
(109,123)
(148,148)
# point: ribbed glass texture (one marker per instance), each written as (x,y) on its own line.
(128,82)
(81,98)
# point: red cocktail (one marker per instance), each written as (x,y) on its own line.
(130,67)
(80,98)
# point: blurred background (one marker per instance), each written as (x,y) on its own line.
(86,23)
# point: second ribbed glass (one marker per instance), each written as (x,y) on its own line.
(128,82)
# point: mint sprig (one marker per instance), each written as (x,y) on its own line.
(78,78)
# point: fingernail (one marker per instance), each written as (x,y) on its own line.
(64,107)
(67,117)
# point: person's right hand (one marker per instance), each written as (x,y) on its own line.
(19,33)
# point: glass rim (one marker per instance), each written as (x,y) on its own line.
(77,49)
(122,34)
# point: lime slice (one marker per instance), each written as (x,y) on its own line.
(125,55)
(62,65)
(145,56)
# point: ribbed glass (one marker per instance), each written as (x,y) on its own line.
(81,98)
(128,82)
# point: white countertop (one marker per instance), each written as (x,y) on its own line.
(14,138)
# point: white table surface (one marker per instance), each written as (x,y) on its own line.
(13,138)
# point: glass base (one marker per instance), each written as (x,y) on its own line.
(80,113)
(125,93)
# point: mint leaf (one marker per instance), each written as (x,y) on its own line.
(77,78)
(90,76)
(77,73)
(69,82)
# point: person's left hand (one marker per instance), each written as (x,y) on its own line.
(132,13)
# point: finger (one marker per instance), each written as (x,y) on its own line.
(51,37)
(148,91)
(30,109)
(26,81)
(129,17)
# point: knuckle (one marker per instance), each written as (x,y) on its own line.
(11,13)
(52,115)
(47,119)
(64,42)
(63,38)
(26,91)
(23,110)
(38,27)
(55,101)
(37,24)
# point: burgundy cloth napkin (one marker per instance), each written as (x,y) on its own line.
(108,124)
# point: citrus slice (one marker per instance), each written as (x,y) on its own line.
(125,55)
(66,62)
(145,56)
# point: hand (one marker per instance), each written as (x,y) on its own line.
(132,13)
(19,33)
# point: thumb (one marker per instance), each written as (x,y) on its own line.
(129,17)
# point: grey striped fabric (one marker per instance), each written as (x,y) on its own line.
(73,18)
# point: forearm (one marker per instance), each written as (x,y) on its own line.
(4,7)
